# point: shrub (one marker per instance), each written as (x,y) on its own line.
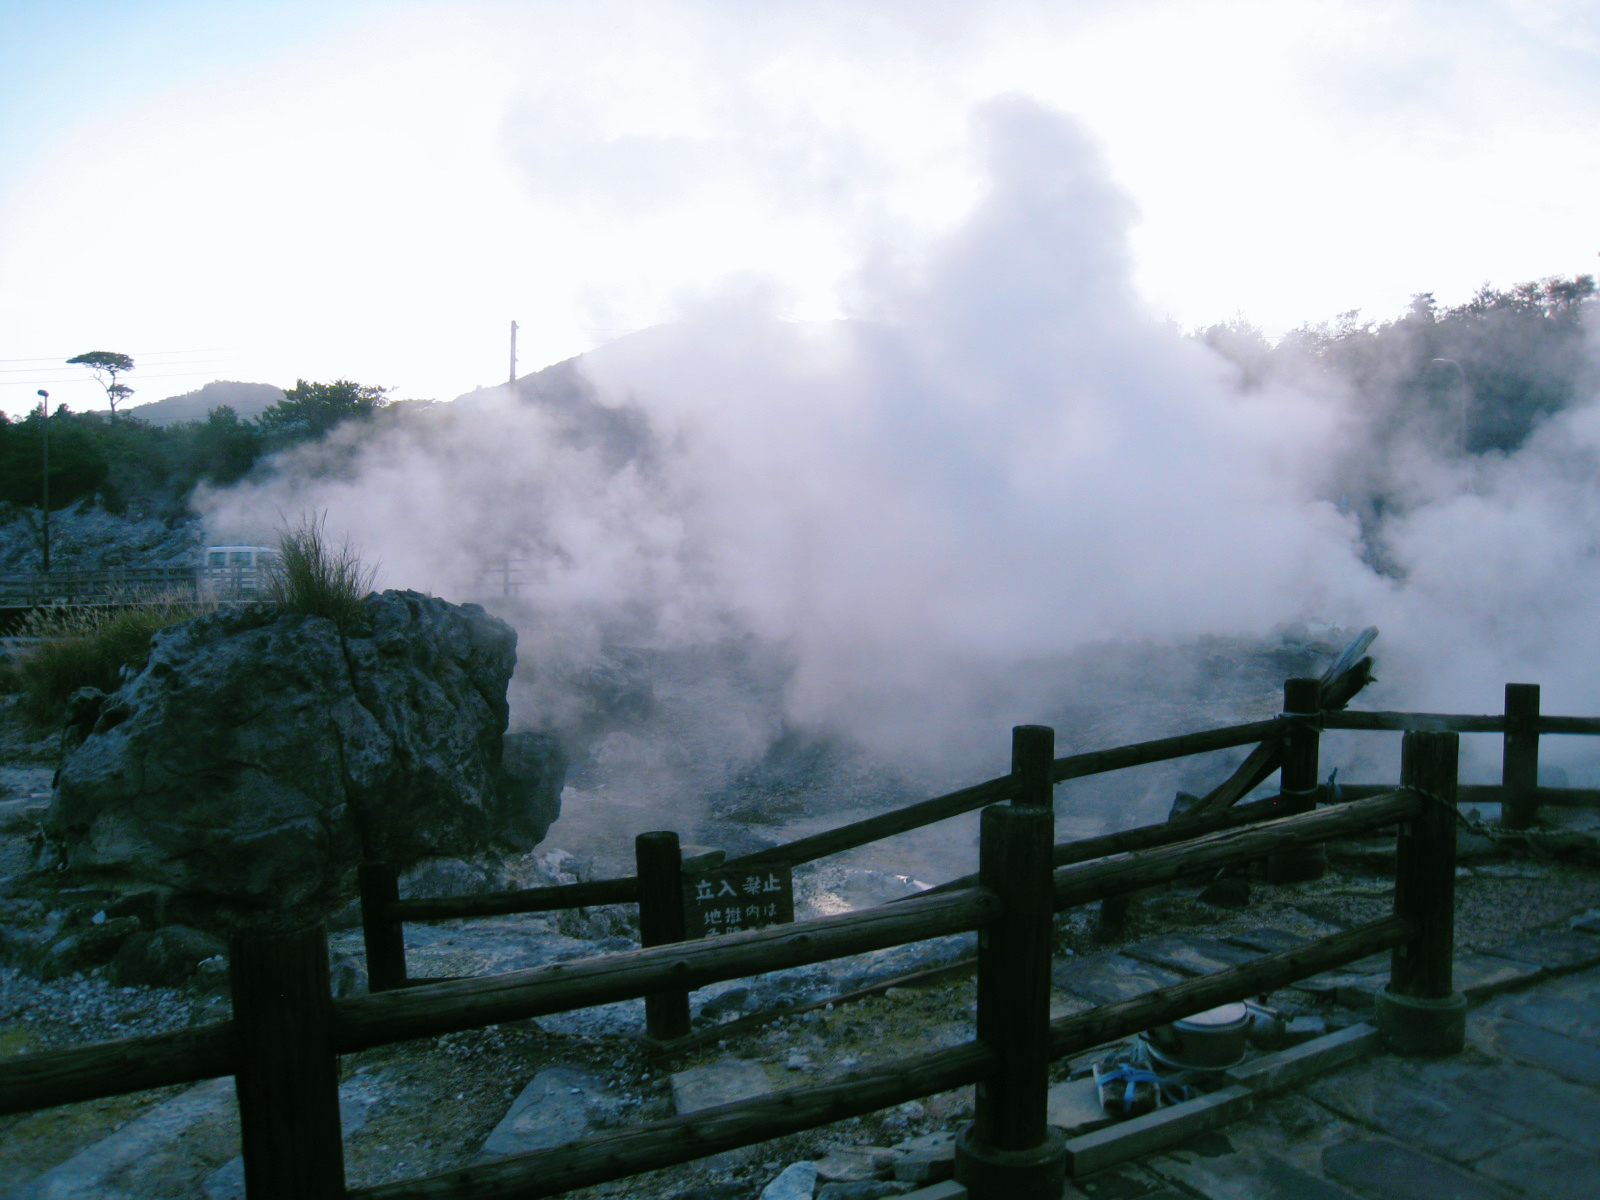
(88,647)
(312,577)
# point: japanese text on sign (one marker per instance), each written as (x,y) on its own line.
(734,899)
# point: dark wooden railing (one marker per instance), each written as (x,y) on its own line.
(283,1041)
(287,1031)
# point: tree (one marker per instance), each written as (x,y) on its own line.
(107,365)
(309,410)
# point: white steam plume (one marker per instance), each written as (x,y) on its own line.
(1003,460)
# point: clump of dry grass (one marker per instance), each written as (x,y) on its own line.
(88,647)
(313,577)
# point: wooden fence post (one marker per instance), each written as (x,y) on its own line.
(1297,779)
(1419,1012)
(1010,1152)
(661,922)
(288,1075)
(1033,752)
(1519,763)
(383,935)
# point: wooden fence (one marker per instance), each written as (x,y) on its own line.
(282,1043)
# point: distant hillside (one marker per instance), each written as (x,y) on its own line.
(249,400)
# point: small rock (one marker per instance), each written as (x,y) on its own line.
(856,1164)
(797,1182)
(798,1062)
(927,1159)
(166,958)
(85,947)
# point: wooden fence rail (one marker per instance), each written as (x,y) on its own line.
(283,1042)
(1284,741)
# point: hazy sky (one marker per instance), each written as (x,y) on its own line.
(263,191)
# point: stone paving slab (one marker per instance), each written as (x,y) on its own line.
(1557,951)
(1400,1103)
(1535,1098)
(1191,955)
(1385,1169)
(1560,1014)
(1546,1167)
(1480,976)
(1245,1175)
(1555,1052)
(1266,941)
(1108,978)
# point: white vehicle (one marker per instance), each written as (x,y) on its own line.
(235,572)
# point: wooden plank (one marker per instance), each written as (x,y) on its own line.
(52,1077)
(1153,1131)
(708,1131)
(1298,780)
(1033,752)
(1402,721)
(1085,882)
(1162,749)
(545,899)
(661,923)
(1014,976)
(1519,762)
(901,820)
(365,1021)
(1071,1035)
(1339,684)
(379,885)
(1567,724)
(288,1076)
(1143,838)
(731,1029)
(1476,793)
(1425,868)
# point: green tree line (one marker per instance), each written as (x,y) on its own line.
(120,460)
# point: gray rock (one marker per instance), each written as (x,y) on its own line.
(260,754)
(856,1164)
(84,947)
(559,1105)
(165,958)
(439,877)
(533,768)
(797,1182)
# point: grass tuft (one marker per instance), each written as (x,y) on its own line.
(87,647)
(313,577)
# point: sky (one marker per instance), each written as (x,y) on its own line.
(374,191)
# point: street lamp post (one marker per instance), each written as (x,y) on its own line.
(44,440)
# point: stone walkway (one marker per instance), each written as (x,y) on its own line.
(1516,1114)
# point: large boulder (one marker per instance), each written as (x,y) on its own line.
(260,755)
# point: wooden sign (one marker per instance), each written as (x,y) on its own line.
(732,898)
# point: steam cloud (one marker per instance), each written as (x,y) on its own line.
(1003,460)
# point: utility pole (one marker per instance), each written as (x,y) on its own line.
(512,384)
(44,440)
